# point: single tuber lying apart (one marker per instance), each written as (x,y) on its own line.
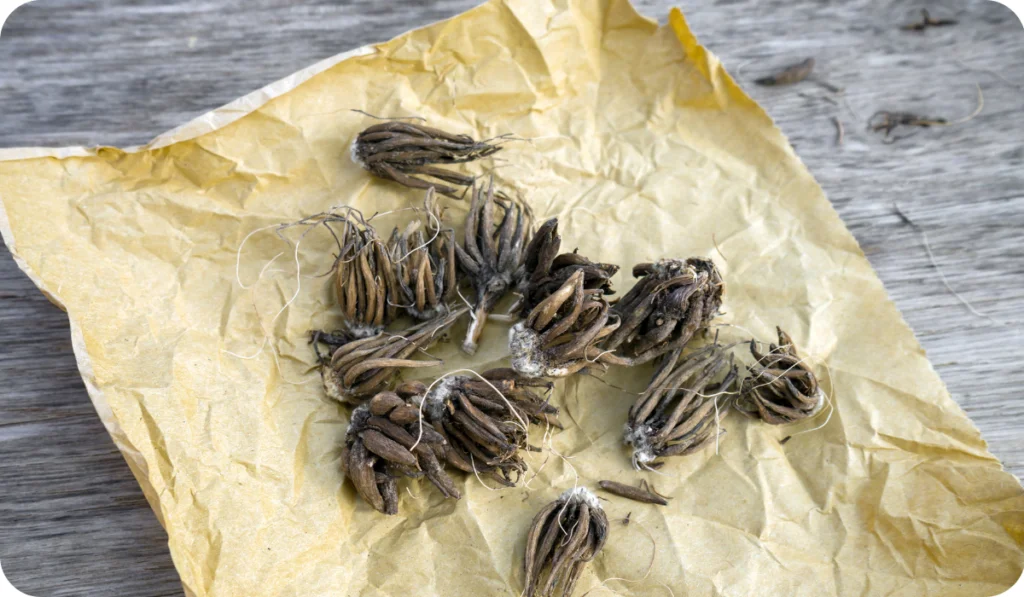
(564,536)
(410,154)
(781,387)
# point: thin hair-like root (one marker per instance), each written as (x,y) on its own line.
(472,462)
(365,113)
(545,439)
(238,256)
(938,270)
(650,566)
(828,399)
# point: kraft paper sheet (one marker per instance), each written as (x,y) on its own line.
(644,147)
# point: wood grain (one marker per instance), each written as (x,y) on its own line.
(118,72)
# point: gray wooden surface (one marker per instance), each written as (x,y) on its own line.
(118,72)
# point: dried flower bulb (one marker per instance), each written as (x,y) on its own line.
(484,429)
(679,411)
(491,254)
(364,282)
(672,301)
(564,536)
(424,264)
(381,445)
(546,270)
(563,333)
(781,387)
(358,369)
(408,153)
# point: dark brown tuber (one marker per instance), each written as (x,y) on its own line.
(679,411)
(563,333)
(546,270)
(409,154)
(364,281)
(564,536)
(357,369)
(485,430)
(424,264)
(380,447)
(672,302)
(781,387)
(491,254)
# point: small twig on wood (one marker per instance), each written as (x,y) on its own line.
(926,22)
(839,129)
(789,75)
(887,122)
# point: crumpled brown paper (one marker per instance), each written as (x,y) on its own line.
(644,147)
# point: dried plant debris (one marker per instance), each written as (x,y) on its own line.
(665,309)
(546,270)
(484,421)
(563,333)
(789,75)
(643,493)
(887,122)
(564,536)
(409,154)
(380,447)
(364,281)
(354,370)
(424,264)
(679,412)
(491,254)
(926,22)
(781,387)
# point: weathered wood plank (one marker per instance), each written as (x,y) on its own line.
(72,72)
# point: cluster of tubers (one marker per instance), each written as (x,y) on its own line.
(565,321)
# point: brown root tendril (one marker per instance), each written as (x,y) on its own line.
(547,270)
